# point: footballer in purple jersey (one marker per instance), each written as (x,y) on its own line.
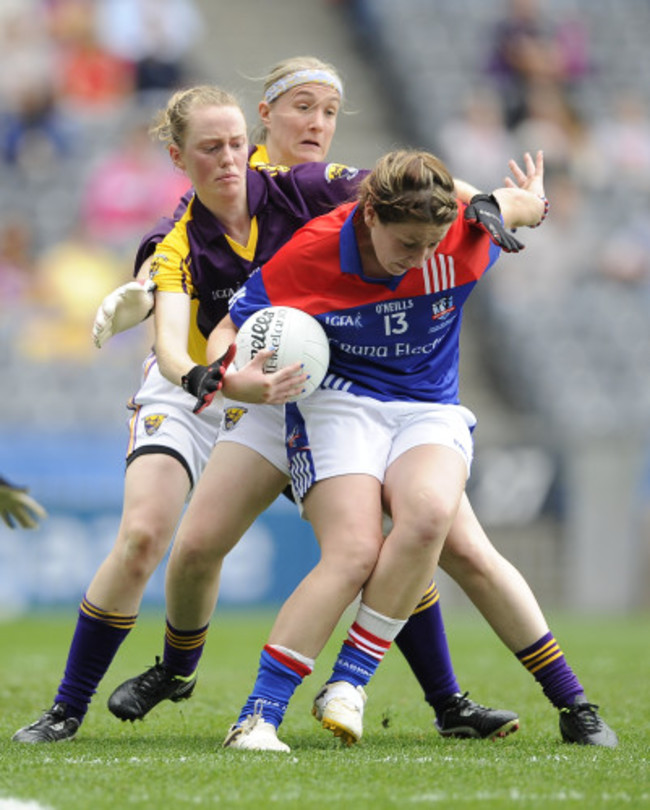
(198,258)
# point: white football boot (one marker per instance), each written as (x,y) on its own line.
(339,708)
(255,734)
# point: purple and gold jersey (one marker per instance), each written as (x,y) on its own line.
(390,339)
(258,157)
(199,259)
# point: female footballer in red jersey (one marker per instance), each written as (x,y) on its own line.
(581,724)
(384,433)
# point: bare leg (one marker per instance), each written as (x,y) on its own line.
(350,538)
(221,510)
(493,584)
(155,489)
(223,506)
(422,490)
(503,596)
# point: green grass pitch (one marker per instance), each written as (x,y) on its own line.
(173,759)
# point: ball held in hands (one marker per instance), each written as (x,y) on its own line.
(294,337)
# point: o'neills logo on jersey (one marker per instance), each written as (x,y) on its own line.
(153,422)
(338,171)
(442,307)
(231,416)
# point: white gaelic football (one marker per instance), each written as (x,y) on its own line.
(296,338)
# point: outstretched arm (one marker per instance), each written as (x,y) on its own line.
(522,201)
(464,190)
(133,302)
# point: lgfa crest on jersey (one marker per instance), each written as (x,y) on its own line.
(338,171)
(442,307)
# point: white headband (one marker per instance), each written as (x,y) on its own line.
(311,76)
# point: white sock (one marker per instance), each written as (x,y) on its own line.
(376,623)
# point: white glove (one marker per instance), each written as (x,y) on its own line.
(122,309)
(17,507)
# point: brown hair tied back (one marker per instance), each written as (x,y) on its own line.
(408,185)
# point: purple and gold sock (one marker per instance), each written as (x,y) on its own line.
(183,650)
(546,663)
(97,638)
(423,642)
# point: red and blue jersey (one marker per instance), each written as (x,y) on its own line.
(390,339)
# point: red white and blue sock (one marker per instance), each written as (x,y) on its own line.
(369,639)
(280,672)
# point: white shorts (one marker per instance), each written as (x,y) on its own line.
(336,433)
(163,422)
(260,427)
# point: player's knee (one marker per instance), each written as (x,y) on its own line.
(197,555)
(143,548)
(362,560)
(427,521)
(354,558)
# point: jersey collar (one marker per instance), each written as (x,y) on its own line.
(208,225)
(350,257)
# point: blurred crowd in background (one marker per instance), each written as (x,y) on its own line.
(82,181)
(565,328)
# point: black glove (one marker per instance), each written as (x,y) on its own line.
(203,382)
(484,212)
